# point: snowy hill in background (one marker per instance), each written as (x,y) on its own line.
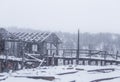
(99,41)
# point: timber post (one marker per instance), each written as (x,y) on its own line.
(53,59)
(23,55)
(47,59)
(6,60)
(117,55)
(78,48)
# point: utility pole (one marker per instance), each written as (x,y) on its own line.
(78,48)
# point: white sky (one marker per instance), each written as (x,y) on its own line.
(63,15)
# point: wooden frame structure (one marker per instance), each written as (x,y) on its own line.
(20,43)
(20,49)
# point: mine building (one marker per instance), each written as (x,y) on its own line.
(17,48)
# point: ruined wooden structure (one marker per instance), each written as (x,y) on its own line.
(15,46)
(86,57)
(20,49)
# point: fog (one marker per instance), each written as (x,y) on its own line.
(62,15)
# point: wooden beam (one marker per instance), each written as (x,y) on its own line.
(78,48)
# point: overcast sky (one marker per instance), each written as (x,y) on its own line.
(64,15)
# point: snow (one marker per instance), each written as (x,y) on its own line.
(80,76)
(43,71)
(12,79)
(10,58)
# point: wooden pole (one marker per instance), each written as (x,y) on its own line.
(6,54)
(78,48)
(6,60)
(50,49)
(117,55)
(23,54)
(53,59)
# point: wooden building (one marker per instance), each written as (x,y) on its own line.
(18,44)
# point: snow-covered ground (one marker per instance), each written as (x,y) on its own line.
(77,74)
